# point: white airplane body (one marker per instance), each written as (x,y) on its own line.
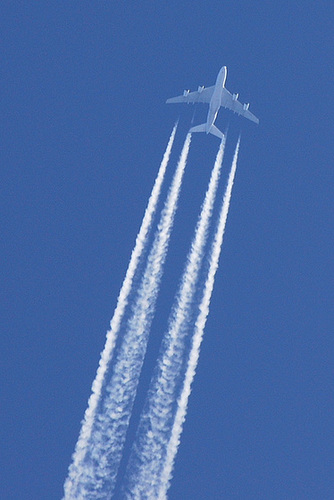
(216,96)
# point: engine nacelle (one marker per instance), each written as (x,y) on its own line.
(200,89)
(235,97)
(246,106)
(185,93)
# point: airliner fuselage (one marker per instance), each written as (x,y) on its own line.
(216,98)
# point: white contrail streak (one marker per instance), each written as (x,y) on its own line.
(156,421)
(122,301)
(197,337)
(110,426)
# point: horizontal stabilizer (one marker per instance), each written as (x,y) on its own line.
(198,128)
(213,130)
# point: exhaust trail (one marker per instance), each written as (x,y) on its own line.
(193,117)
(149,449)
(78,457)
(103,455)
(204,307)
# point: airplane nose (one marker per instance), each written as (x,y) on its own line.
(223,70)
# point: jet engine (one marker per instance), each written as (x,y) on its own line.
(200,89)
(185,93)
(246,106)
(235,97)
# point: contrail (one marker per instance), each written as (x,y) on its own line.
(204,306)
(78,457)
(104,452)
(146,460)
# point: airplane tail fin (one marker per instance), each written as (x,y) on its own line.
(213,130)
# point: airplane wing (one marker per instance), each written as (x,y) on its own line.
(201,95)
(236,106)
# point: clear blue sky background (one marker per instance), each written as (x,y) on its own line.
(83,128)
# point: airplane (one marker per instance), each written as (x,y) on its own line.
(216,96)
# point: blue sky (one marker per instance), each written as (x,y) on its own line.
(84,127)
